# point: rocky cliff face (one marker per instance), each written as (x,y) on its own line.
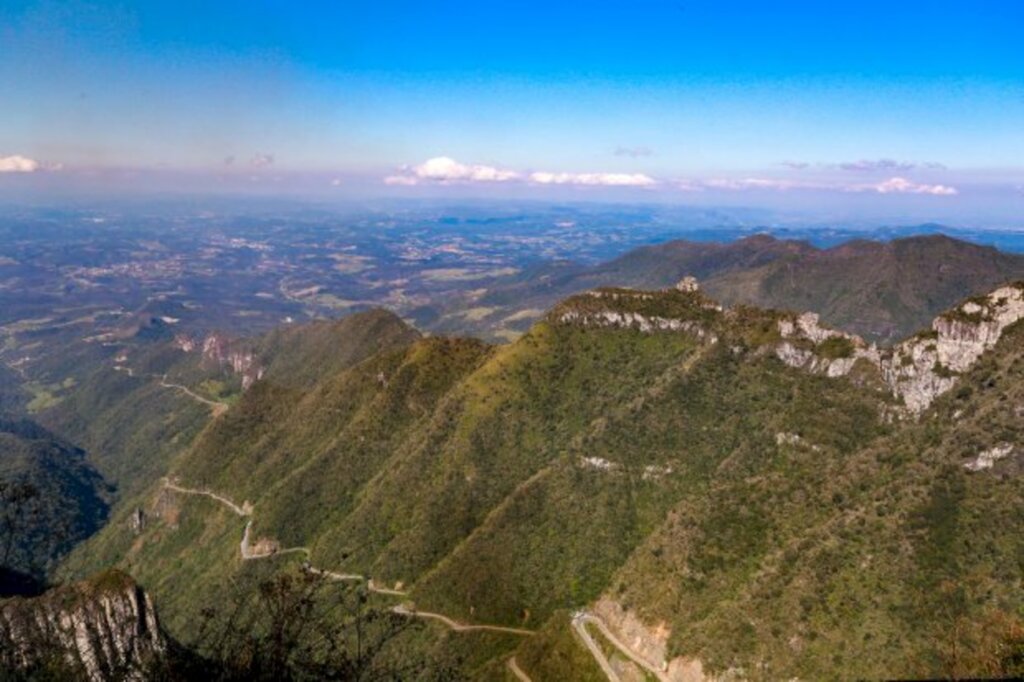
(919,369)
(924,367)
(916,371)
(808,345)
(101,629)
(682,309)
(222,352)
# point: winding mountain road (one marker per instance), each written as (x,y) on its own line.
(355,577)
(331,575)
(581,619)
(516,670)
(579,625)
(247,553)
(218,408)
(373,587)
(244,510)
(403,610)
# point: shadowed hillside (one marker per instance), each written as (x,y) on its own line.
(51,498)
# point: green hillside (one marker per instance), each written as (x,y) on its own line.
(133,414)
(647,450)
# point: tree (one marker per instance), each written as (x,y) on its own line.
(299,626)
(22,511)
(971,643)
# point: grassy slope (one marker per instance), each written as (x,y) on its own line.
(555,654)
(560,538)
(131,427)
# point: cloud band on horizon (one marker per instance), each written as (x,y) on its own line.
(444,170)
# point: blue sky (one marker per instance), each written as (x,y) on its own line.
(699,100)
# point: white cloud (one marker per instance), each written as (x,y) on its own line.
(445,170)
(904,186)
(688,186)
(759,183)
(895,185)
(593,179)
(867,165)
(336,182)
(261,160)
(19,164)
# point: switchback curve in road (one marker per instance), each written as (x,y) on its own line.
(403,610)
(244,510)
(247,553)
(217,407)
(579,623)
(579,626)
(516,670)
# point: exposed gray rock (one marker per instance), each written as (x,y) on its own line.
(803,332)
(988,458)
(626,320)
(101,629)
(922,368)
(688,283)
(137,521)
(919,369)
(220,351)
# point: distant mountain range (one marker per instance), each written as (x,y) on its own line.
(882,291)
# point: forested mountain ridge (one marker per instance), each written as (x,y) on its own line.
(881,290)
(647,453)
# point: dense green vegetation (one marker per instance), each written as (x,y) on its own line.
(291,625)
(773,520)
(895,547)
(50,497)
(555,654)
